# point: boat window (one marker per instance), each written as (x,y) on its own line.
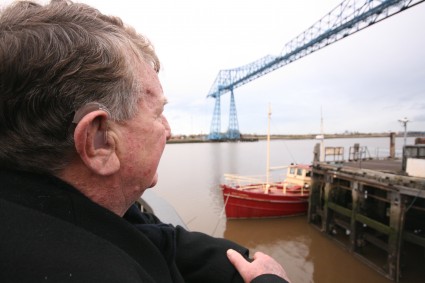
(292,170)
(299,172)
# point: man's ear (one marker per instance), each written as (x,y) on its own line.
(93,145)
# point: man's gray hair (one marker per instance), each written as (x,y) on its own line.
(55,58)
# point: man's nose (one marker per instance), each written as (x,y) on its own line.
(167,127)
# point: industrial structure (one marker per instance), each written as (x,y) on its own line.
(374,208)
(347,18)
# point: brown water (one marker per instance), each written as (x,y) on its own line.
(307,255)
(189,175)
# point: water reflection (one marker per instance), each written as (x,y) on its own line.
(233,154)
(307,255)
(278,237)
(215,151)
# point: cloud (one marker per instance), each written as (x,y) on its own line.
(364,82)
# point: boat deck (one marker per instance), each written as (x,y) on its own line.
(274,190)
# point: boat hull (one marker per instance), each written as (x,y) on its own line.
(250,204)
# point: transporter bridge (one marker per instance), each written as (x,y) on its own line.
(348,17)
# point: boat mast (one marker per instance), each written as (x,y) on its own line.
(268,150)
(322,144)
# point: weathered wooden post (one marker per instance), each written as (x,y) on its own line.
(355,198)
(394,237)
(326,212)
(392,145)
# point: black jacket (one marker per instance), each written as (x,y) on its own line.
(49,231)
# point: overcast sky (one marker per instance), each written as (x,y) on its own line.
(364,83)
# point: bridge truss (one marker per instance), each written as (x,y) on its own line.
(348,17)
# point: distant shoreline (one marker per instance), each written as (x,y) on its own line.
(253,138)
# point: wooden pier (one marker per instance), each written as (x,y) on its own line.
(375,211)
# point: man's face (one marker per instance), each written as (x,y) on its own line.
(143,138)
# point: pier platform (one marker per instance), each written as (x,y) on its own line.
(375,211)
(393,166)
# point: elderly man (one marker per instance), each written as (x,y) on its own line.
(81,133)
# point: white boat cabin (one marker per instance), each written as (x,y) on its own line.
(299,175)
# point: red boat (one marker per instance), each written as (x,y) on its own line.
(245,198)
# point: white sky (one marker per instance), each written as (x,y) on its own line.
(365,82)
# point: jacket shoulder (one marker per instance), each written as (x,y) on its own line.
(41,247)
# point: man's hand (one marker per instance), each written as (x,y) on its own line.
(262,264)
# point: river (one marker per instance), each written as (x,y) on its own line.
(189,178)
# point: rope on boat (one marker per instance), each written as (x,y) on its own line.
(224,207)
(221,215)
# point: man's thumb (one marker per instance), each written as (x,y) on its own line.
(236,259)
